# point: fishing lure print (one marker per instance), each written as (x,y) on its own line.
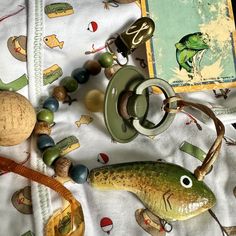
(58,9)
(51,74)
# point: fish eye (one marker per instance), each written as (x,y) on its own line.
(186,181)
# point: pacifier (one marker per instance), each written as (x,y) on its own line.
(126,105)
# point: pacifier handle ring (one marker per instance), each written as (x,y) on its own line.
(167,118)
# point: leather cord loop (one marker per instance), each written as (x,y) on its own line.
(214,150)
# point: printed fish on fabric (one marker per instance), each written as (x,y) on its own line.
(15,197)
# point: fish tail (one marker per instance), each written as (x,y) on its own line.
(78,124)
(61,44)
(107,178)
(96,177)
(124,176)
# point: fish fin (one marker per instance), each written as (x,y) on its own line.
(61,44)
(78,123)
(180,46)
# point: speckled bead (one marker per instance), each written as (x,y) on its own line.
(93,67)
(81,75)
(105,59)
(62,167)
(42,128)
(51,104)
(79,173)
(109,72)
(50,155)
(44,141)
(70,84)
(45,115)
(59,93)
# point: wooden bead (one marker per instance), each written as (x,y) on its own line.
(81,75)
(50,155)
(109,72)
(17,118)
(51,104)
(44,141)
(93,67)
(70,84)
(79,173)
(94,100)
(45,115)
(62,167)
(60,93)
(106,59)
(42,128)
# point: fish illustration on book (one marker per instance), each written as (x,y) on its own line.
(188,47)
(52,41)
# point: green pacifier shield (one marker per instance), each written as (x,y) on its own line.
(127,103)
(125,79)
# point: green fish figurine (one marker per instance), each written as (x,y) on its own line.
(188,47)
(169,191)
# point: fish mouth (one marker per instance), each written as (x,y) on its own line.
(166,199)
(209,199)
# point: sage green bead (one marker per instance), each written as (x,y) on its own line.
(106,59)
(50,155)
(70,84)
(45,115)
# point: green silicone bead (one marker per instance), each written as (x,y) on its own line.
(50,155)
(70,84)
(45,115)
(106,59)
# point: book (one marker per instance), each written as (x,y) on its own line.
(194,43)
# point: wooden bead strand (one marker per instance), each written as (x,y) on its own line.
(45,117)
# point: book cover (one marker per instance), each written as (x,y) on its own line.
(193,47)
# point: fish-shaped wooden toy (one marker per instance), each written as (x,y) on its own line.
(168,190)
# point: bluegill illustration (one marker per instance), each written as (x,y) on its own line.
(188,47)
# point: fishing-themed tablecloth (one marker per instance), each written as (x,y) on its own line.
(35,43)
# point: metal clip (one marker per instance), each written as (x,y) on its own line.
(138,33)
